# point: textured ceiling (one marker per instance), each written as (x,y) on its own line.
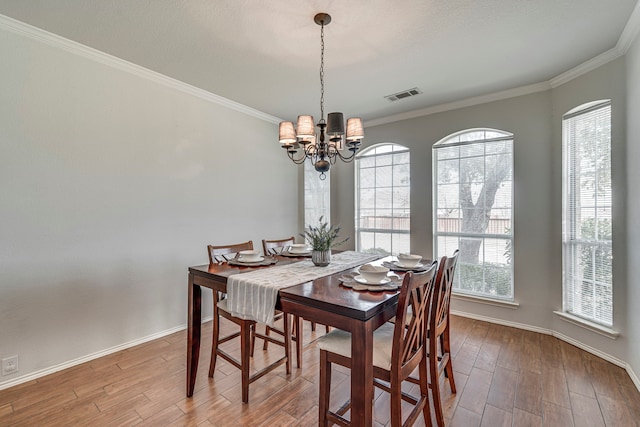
(266,54)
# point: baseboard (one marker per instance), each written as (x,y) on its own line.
(565,338)
(50,370)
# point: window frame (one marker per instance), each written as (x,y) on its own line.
(570,242)
(395,149)
(322,191)
(450,141)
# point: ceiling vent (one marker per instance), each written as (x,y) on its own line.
(404,94)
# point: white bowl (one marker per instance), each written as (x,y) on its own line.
(297,248)
(248,256)
(409,260)
(373,273)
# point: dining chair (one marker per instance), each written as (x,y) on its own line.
(398,349)
(438,332)
(247,333)
(275,247)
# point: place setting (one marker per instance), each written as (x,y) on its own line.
(297,250)
(407,262)
(371,278)
(251,258)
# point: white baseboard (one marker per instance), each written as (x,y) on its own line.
(50,370)
(558,335)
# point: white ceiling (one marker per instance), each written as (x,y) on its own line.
(266,53)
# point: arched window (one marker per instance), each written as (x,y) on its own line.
(383,204)
(473,198)
(587,213)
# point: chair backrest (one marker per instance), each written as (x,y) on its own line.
(409,335)
(273,247)
(224,253)
(442,293)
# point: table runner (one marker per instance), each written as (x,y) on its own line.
(253,295)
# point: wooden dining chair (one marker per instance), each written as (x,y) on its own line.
(270,248)
(398,349)
(247,333)
(438,331)
(274,247)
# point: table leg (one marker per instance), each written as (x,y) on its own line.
(287,341)
(362,375)
(194,327)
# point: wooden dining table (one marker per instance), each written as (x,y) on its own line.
(322,300)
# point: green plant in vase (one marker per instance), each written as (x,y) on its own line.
(321,239)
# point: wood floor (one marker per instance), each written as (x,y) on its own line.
(505,377)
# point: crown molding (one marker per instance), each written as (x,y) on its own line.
(56,41)
(469,102)
(630,31)
(586,67)
(629,34)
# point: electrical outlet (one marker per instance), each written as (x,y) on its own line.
(10,365)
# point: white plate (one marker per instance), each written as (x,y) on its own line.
(306,252)
(399,264)
(260,259)
(361,279)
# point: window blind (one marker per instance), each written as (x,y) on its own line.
(587,214)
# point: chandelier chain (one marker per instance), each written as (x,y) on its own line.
(301,144)
(322,72)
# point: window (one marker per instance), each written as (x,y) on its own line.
(316,196)
(587,213)
(383,208)
(473,198)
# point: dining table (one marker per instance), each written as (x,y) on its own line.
(323,300)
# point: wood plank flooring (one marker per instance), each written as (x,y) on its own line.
(504,376)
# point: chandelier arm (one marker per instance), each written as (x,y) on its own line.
(346,159)
(291,154)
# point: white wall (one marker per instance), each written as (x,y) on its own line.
(111,185)
(535,121)
(633,207)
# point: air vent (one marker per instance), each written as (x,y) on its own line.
(404,94)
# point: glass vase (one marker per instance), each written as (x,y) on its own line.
(321,258)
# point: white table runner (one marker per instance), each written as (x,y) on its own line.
(253,295)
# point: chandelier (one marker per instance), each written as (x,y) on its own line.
(304,143)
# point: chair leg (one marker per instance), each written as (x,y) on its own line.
(396,403)
(253,340)
(215,336)
(325,389)
(313,326)
(446,349)
(435,387)
(267,332)
(424,391)
(327,328)
(245,347)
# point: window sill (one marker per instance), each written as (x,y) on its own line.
(594,327)
(488,301)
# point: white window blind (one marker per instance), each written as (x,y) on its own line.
(317,196)
(383,203)
(587,216)
(473,199)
